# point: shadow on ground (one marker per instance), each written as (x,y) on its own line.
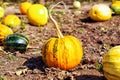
(35,63)
(90,77)
(87,20)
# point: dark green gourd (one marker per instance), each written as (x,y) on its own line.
(17,42)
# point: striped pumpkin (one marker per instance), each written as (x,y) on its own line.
(17,42)
(111,64)
(64,53)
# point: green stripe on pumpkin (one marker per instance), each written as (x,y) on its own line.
(46,46)
(14,36)
(23,37)
(55,47)
(112,75)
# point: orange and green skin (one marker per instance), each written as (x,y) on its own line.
(111,64)
(64,53)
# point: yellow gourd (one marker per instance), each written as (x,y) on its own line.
(111,64)
(4,31)
(100,12)
(37,14)
(12,20)
(2,12)
(115,6)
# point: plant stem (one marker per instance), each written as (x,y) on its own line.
(60,35)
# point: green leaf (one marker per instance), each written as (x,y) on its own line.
(99,67)
(11,57)
(3,78)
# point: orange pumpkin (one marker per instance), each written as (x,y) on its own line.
(64,52)
(24,7)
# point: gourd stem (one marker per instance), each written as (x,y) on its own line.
(60,35)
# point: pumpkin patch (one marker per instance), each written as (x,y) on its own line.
(76,47)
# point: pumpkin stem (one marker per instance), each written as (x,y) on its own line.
(60,35)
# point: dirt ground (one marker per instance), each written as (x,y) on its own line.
(96,37)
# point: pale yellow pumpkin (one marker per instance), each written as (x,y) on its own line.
(100,12)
